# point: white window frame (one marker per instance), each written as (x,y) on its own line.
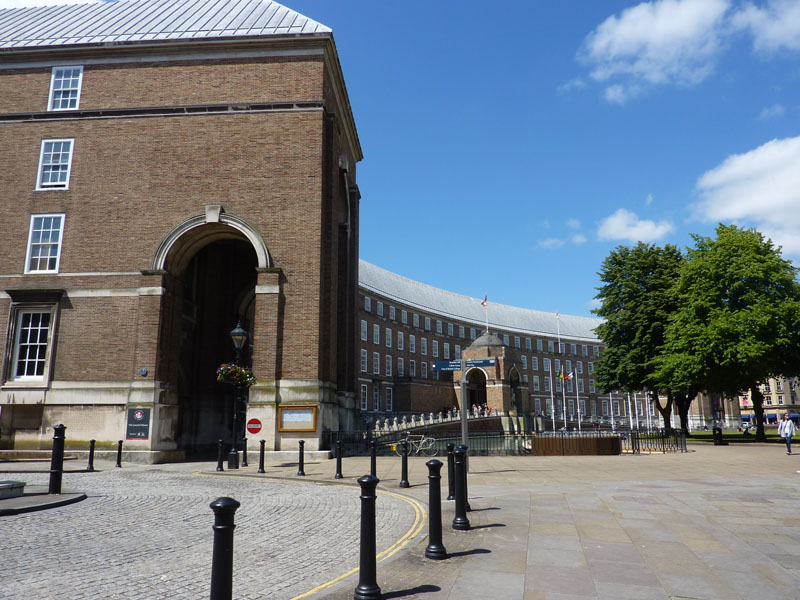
(29,249)
(404,317)
(438,326)
(423,370)
(364,361)
(376,363)
(376,333)
(435,349)
(415,320)
(534,363)
(457,352)
(392,313)
(412,343)
(551,346)
(51,96)
(427,323)
(40,186)
(401,367)
(539,345)
(412,368)
(505,339)
(580,386)
(535,383)
(516,341)
(400,340)
(528,344)
(450,329)
(546,383)
(388,365)
(446,351)
(364,331)
(17,314)
(461,331)
(388,336)
(524,361)
(389,399)
(379,309)
(364,397)
(367,304)
(579,367)
(423,346)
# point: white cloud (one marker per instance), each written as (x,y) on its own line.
(774,26)
(573,84)
(573,223)
(551,242)
(27,3)
(776,110)
(578,238)
(649,200)
(625,225)
(759,187)
(659,42)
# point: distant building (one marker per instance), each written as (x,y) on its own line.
(781,395)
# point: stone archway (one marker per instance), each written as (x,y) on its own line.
(476,388)
(210,284)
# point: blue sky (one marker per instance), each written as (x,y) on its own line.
(510,146)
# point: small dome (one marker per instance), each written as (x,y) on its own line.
(487,340)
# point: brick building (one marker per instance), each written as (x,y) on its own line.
(169,170)
(406,326)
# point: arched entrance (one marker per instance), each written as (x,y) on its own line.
(210,287)
(476,388)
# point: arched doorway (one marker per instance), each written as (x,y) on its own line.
(476,388)
(210,288)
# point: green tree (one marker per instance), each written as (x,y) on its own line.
(739,318)
(636,300)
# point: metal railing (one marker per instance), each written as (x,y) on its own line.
(547,443)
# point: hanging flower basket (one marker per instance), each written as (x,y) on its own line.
(235,375)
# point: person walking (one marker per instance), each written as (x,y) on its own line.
(786,430)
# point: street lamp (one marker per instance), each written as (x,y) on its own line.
(239,338)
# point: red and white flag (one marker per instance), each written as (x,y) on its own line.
(485,301)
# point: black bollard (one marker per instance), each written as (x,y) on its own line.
(220,455)
(367,588)
(373,460)
(261,457)
(338,459)
(404,466)
(460,522)
(90,466)
(435,549)
(57,460)
(222,560)
(451,475)
(244,451)
(301,472)
(466,472)
(119,454)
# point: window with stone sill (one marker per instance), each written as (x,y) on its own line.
(55,163)
(43,253)
(65,88)
(32,323)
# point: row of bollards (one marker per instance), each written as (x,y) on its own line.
(367,588)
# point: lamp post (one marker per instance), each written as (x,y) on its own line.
(238,337)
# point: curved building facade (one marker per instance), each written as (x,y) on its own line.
(407,326)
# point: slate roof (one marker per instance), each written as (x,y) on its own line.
(148,21)
(447,304)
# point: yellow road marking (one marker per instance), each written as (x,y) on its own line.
(420,517)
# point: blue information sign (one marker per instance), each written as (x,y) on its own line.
(455,365)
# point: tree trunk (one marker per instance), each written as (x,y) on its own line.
(758,408)
(683,402)
(666,411)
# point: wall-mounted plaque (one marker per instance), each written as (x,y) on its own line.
(297,418)
(138,424)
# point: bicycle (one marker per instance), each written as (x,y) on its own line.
(419,445)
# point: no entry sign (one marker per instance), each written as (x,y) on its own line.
(253,426)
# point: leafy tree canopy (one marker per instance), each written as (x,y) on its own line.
(738,322)
(637,297)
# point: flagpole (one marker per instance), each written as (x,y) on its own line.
(578,398)
(552,398)
(611,412)
(630,414)
(636,409)
(563,395)
(485,305)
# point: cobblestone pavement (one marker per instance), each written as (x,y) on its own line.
(145,532)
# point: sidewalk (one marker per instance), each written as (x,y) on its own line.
(717,523)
